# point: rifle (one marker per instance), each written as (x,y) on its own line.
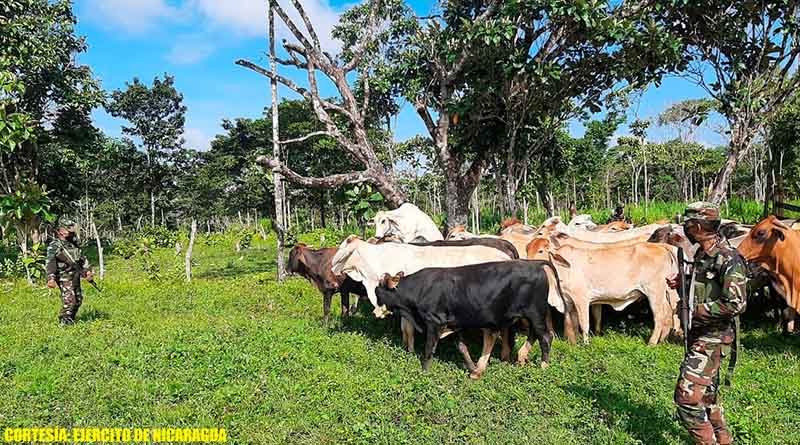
(685,307)
(78,265)
(94,285)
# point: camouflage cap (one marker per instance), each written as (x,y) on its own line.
(702,210)
(66,223)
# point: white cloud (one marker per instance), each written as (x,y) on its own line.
(188,50)
(249,18)
(134,17)
(196,139)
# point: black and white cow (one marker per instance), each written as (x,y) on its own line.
(488,296)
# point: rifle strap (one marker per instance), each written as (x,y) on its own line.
(734,351)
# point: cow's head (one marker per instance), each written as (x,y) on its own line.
(457,233)
(583,222)
(547,249)
(763,240)
(385,224)
(296,262)
(617,226)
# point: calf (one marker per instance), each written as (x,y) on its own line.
(315,266)
(488,296)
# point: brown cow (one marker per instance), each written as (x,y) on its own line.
(315,266)
(774,247)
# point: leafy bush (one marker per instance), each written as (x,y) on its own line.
(159,235)
(125,247)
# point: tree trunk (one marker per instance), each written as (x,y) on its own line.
(740,143)
(99,251)
(546,197)
(456,202)
(280,223)
(189,249)
(152,208)
(322,209)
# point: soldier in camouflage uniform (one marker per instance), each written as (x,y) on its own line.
(66,265)
(719,285)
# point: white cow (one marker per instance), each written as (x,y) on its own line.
(408,223)
(583,221)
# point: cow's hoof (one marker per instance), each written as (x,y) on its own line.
(475,375)
(544,365)
(522,362)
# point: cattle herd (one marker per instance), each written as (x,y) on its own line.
(441,285)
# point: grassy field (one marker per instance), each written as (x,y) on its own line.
(235,349)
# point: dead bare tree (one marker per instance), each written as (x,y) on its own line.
(351,130)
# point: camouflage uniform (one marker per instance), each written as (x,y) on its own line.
(720,291)
(66,265)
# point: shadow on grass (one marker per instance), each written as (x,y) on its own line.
(772,342)
(90,315)
(644,422)
(446,351)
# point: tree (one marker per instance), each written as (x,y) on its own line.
(745,55)
(157,117)
(503,77)
(42,87)
(366,30)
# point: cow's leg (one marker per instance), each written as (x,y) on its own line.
(662,314)
(597,315)
(583,321)
(489,339)
(345,303)
(789,316)
(431,340)
(539,330)
(462,347)
(508,335)
(327,296)
(407,328)
(549,321)
(569,327)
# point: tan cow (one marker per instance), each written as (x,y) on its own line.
(518,234)
(614,275)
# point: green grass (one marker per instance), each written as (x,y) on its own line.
(235,349)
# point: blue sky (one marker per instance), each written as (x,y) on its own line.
(198,41)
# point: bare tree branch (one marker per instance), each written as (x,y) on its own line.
(331,181)
(306,137)
(309,26)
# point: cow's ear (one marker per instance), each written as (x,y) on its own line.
(384,281)
(554,242)
(780,234)
(560,260)
(394,281)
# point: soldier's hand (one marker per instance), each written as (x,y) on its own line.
(51,283)
(89,276)
(672,281)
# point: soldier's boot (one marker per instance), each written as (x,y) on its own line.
(717,419)
(702,433)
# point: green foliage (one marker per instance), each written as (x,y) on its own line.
(26,207)
(363,201)
(159,236)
